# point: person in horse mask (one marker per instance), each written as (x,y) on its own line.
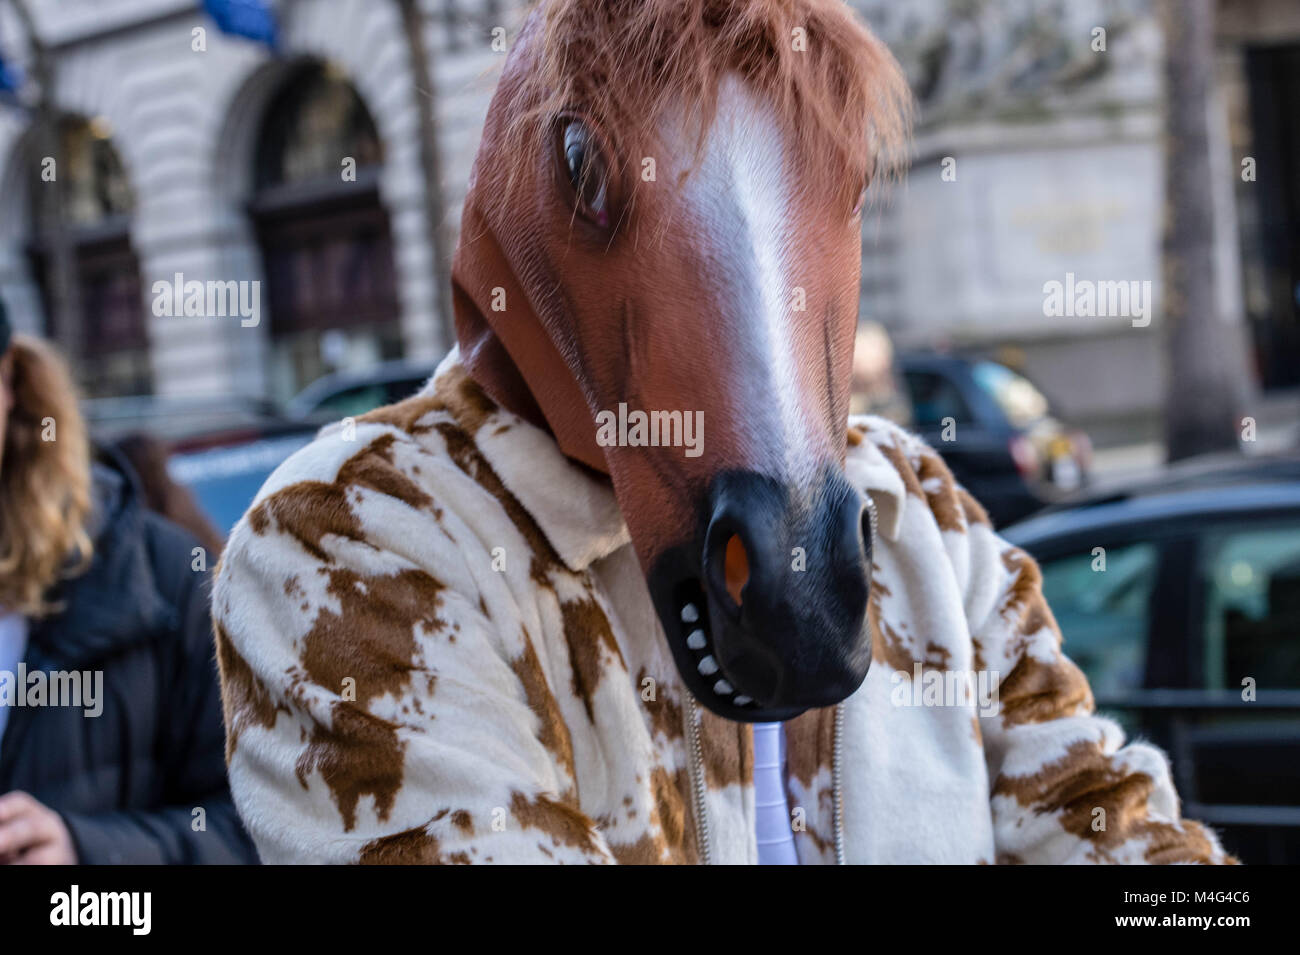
(624,582)
(110,724)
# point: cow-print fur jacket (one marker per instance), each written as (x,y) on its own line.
(436,646)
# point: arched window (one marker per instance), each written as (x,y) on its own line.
(80,209)
(324,234)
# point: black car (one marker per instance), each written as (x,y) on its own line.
(344,393)
(1180,598)
(996,431)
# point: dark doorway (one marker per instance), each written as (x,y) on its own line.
(1273,279)
(103,323)
(326,244)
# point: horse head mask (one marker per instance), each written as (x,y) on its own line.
(659,264)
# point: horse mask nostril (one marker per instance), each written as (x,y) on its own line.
(737,567)
(726,565)
(864,524)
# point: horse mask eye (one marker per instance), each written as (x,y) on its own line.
(586,170)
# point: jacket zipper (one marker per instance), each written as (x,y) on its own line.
(696,764)
(837,793)
(837,747)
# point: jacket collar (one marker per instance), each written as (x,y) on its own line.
(115,602)
(866,467)
(576,508)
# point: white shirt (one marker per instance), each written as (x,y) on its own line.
(772,819)
(13,645)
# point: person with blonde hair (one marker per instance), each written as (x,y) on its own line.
(111,742)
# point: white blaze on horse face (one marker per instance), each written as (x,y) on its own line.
(741,202)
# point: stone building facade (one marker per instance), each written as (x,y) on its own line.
(185,112)
(1039,153)
(1036,155)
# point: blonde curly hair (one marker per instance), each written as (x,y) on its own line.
(45,483)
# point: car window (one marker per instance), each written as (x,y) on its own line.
(356,400)
(1103,605)
(934,398)
(1252,606)
(402,388)
(1019,399)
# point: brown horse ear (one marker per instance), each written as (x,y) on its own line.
(507,351)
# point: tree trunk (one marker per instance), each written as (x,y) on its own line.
(1206,379)
(435,209)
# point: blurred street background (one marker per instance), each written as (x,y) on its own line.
(312,156)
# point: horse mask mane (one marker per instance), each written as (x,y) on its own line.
(663,219)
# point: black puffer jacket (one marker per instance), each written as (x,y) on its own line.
(128,782)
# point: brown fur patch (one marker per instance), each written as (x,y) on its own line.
(244,700)
(407,415)
(944,503)
(1084,780)
(553,732)
(455,393)
(671,838)
(543,558)
(1024,603)
(372,637)
(1186,843)
(1035,692)
(409,847)
(465,399)
(887,644)
(894,454)
(810,744)
(1078,783)
(587,631)
(673,810)
(373,468)
(666,717)
(359,755)
(647,850)
(728,751)
(308,511)
(565,825)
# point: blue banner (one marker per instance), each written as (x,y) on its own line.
(253,19)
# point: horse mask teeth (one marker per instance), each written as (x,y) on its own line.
(584,289)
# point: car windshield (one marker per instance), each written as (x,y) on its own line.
(353,401)
(1020,401)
